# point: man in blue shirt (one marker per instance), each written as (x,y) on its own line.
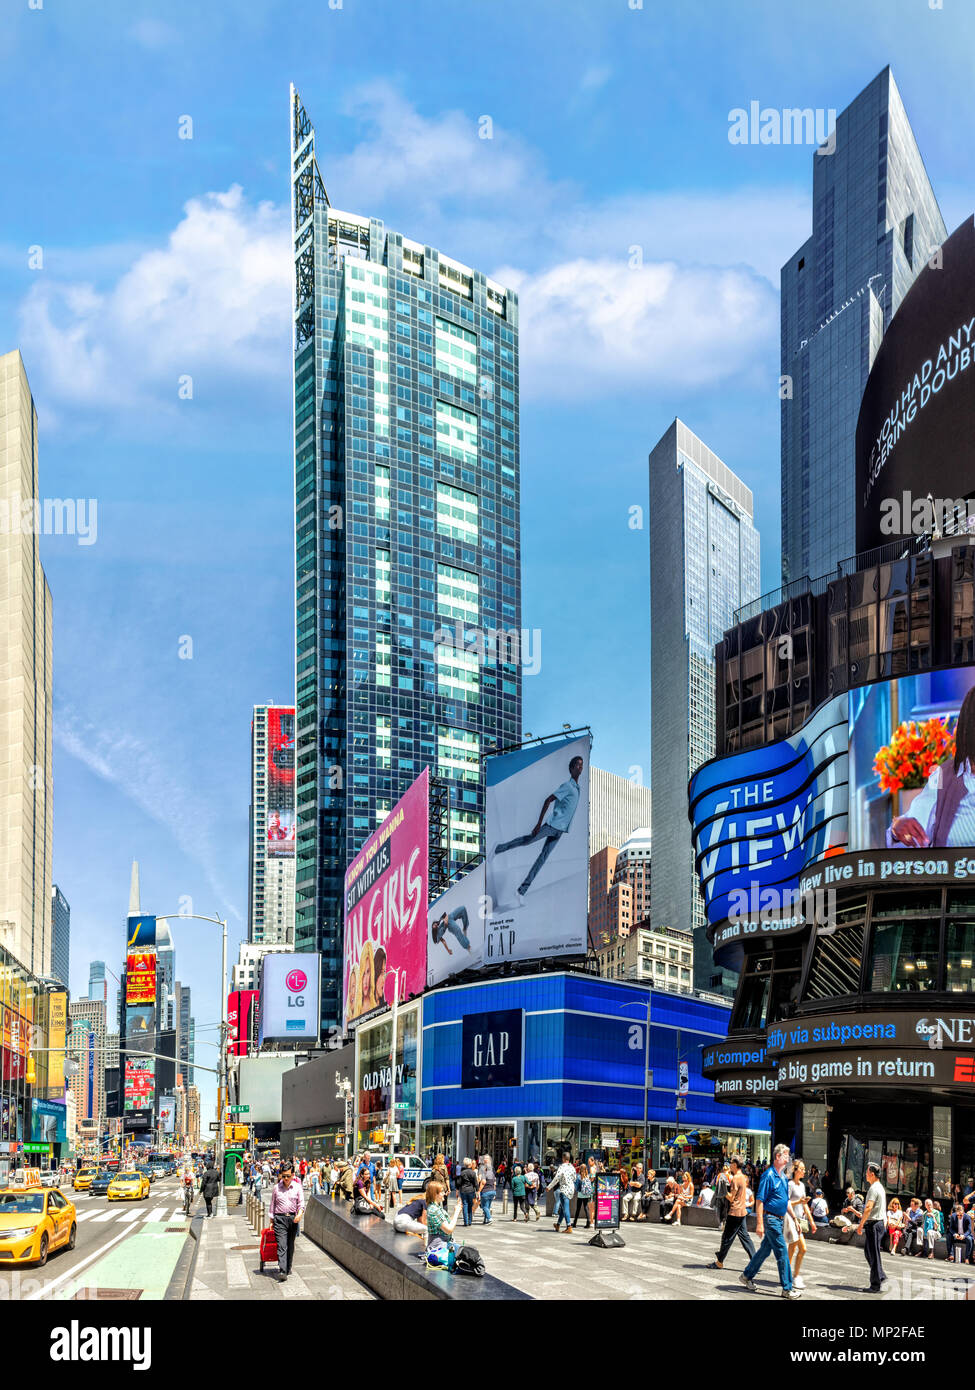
(771,1201)
(554,819)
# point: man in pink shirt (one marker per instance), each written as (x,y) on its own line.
(287,1204)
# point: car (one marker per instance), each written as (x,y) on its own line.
(128,1186)
(50,1178)
(146,1171)
(100,1182)
(83,1179)
(33,1222)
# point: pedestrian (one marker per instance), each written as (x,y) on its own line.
(467,1185)
(438,1225)
(345,1183)
(872,1225)
(933,1225)
(441,1172)
(960,1233)
(487,1187)
(736,1221)
(411,1218)
(798,1216)
(391,1184)
(771,1202)
(912,1243)
(210,1187)
(287,1204)
(721,1189)
(532,1182)
(518,1193)
(583,1195)
(564,1183)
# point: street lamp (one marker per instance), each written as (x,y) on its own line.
(220,922)
(344,1093)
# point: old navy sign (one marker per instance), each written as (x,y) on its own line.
(491,1049)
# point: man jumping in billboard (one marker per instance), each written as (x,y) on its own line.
(551,825)
(943,814)
(457,923)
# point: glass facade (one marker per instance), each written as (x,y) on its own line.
(407,527)
(704,564)
(876,222)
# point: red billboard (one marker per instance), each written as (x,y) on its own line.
(241,1020)
(280,782)
(140,977)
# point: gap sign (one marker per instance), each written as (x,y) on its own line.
(492,1049)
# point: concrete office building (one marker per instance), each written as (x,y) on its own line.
(86,1017)
(617,807)
(26,797)
(271,901)
(876,223)
(704,564)
(407,541)
(60,936)
(665,958)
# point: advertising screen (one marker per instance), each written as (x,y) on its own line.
(537,864)
(386,908)
(57,1027)
(906,737)
(141,932)
(140,1028)
(759,817)
(241,1006)
(289,1010)
(139,1087)
(919,401)
(456,927)
(140,977)
(281,783)
(48,1122)
(167,1114)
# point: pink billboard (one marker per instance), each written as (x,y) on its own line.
(386,909)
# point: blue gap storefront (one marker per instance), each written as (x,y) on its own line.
(544,1062)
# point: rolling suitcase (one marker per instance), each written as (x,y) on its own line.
(269,1246)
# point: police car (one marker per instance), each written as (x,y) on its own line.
(415,1172)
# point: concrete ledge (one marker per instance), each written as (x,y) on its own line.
(182,1281)
(369,1248)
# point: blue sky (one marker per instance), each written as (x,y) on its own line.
(165,257)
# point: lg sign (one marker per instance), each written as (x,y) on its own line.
(289,998)
(296,981)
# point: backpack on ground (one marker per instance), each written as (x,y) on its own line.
(468,1261)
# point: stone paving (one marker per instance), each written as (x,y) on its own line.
(228,1266)
(663,1262)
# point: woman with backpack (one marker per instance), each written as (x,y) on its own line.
(583,1195)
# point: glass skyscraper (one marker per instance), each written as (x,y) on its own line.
(406,537)
(704,563)
(876,223)
(60,936)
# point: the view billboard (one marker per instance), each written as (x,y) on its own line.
(140,977)
(386,908)
(280,783)
(289,1007)
(455,939)
(759,817)
(537,864)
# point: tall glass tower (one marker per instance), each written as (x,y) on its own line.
(407,540)
(704,563)
(876,223)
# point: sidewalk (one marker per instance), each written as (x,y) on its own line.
(228,1266)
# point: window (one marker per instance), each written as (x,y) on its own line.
(960,944)
(903,956)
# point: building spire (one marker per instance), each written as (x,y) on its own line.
(134,907)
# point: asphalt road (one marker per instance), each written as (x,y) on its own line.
(102,1225)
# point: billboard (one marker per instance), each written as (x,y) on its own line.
(906,737)
(140,977)
(386,908)
(139,1086)
(537,864)
(456,928)
(241,1014)
(759,817)
(919,400)
(140,932)
(89,1082)
(57,1029)
(280,825)
(48,1123)
(167,1114)
(289,1008)
(140,1028)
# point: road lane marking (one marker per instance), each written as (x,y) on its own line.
(48,1289)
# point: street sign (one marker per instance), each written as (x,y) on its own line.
(215,1126)
(238,1109)
(402,1105)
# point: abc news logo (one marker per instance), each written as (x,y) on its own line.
(956,1030)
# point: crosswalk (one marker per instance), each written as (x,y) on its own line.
(170,1216)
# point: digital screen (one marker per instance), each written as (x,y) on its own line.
(280,826)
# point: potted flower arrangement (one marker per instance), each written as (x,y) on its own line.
(906,762)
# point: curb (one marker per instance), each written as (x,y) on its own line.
(182,1281)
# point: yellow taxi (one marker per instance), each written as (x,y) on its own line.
(33,1222)
(82,1179)
(129,1186)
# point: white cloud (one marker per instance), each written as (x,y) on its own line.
(596,325)
(216,299)
(153,782)
(595,77)
(153,33)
